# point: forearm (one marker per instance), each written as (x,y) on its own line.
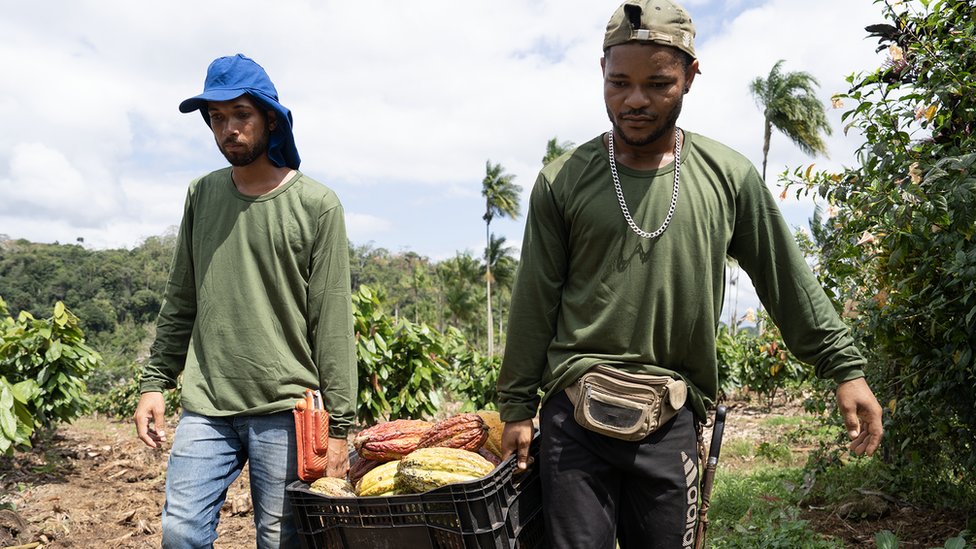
(536,299)
(331,325)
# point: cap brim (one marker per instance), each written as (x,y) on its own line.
(200,101)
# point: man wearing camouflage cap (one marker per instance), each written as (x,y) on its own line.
(622,278)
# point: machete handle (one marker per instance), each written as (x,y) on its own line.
(716,446)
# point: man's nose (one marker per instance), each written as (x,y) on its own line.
(637,99)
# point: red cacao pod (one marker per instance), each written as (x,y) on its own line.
(390,440)
(360,468)
(464,431)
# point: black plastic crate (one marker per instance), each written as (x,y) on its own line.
(499,511)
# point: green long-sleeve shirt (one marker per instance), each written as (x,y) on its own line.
(590,291)
(258,303)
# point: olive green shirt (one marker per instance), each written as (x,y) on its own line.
(258,304)
(590,291)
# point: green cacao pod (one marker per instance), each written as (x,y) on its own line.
(463,431)
(390,440)
(428,468)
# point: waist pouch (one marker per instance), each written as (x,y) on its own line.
(624,405)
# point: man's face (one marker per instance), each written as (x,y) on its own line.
(643,86)
(242,130)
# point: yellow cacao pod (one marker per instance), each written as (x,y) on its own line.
(495,427)
(428,468)
(333,487)
(379,480)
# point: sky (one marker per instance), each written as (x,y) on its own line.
(397,105)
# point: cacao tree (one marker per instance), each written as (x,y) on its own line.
(43,364)
(896,234)
(401,369)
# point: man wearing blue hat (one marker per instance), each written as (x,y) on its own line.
(257,309)
(618,295)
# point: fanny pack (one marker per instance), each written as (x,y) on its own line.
(623,405)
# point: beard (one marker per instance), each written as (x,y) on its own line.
(667,126)
(249,153)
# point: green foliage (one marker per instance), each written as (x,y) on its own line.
(401,368)
(760,363)
(42,367)
(555,149)
(887,540)
(897,242)
(449,293)
(759,510)
(121,397)
(474,375)
(114,293)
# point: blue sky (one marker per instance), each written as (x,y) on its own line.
(397,108)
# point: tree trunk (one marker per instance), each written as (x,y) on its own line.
(491,337)
(501,318)
(766,137)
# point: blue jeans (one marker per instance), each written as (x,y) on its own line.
(208,455)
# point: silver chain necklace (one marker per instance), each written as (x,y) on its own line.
(674,195)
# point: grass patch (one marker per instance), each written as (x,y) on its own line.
(759,509)
(738,448)
(788,421)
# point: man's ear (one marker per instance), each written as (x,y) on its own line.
(690,75)
(272,121)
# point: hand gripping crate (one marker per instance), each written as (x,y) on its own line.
(499,511)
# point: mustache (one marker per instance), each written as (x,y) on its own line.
(637,112)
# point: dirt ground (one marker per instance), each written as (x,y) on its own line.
(915,526)
(93,484)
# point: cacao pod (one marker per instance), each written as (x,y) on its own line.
(495,427)
(489,455)
(428,468)
(390,440)
(380,480)
(333,487)
(360,468)
(463,431)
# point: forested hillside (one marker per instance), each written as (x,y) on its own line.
(116,294)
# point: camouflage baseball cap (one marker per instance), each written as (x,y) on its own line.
(659,21)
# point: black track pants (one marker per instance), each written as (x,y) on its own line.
(597,488)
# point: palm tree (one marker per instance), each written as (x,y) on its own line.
(501,199)
(789,103)
(458,275)
(502,264)
(554,150)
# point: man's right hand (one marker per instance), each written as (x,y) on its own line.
(150,419)
(516,437)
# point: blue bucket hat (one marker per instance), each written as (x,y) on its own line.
(231,77)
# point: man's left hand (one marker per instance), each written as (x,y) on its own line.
(338,464)
(862,415)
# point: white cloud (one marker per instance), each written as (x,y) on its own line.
(43,182)
(397,107)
